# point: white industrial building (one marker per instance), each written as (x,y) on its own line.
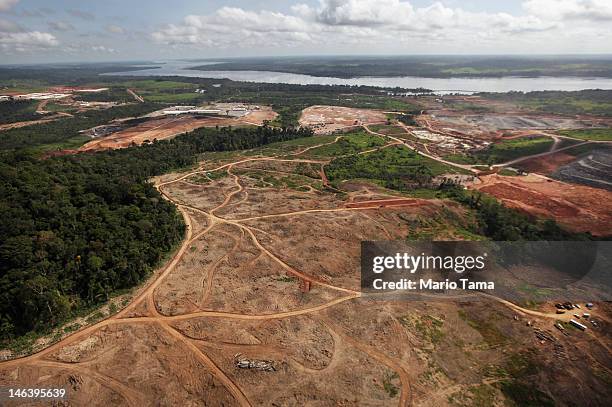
(176,110)
(41,96)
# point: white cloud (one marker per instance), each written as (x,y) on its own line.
(230,25)
(103,49)
(360,13)
(6,5)
(350,22)
(27,41)
(594,10)
(61,26)
(14,38)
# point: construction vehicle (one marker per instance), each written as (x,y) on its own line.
(242,362)
(578,325)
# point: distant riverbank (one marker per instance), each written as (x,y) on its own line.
(438,85)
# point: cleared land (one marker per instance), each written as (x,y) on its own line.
(483,118)
(269,271)
(329,119)
(580,208)
(167,127)
(496,122)
(594,169)
(505,150)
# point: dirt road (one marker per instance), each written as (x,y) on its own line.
(136,97)
(152,318)
(433,157)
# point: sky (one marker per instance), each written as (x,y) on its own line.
(41,31)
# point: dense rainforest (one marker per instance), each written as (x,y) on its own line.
(501,223)
(429,66)
(17,111)
(75,229)
(58,131)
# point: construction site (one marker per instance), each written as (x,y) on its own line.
(331,119)
(261,304)
(170,122)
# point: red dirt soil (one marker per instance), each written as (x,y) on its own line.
(169,127)
(580,208)
(384,203)
(547,164)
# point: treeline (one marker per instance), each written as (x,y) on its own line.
(501,223)
(117,94)
(75,229)
(288,100)
(406,171)
(423,66)
(407,119)
(596,102)
(18,111)
(71,236)
(62,130)
(63,74)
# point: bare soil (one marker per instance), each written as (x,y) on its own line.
(580,208)
(330,119)
(547,165)
(168,127)
(271,273)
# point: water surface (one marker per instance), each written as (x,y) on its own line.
(439,85)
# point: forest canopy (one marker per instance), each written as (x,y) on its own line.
(75,229)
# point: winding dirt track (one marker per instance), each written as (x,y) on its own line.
(156,318)
(430,156)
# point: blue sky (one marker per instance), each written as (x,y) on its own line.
(71,30)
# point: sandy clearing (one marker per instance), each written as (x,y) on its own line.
(328,119)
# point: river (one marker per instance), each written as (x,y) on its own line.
(439,85)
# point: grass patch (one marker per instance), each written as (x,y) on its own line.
(72,143)
(505,150)
(536,294)
(589,134)
(461,159)
(389,385)
(95,317)
(395,168)
(425,326)
(443,225)
(351,143)
(389,130)
(510,149)
(506,172)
